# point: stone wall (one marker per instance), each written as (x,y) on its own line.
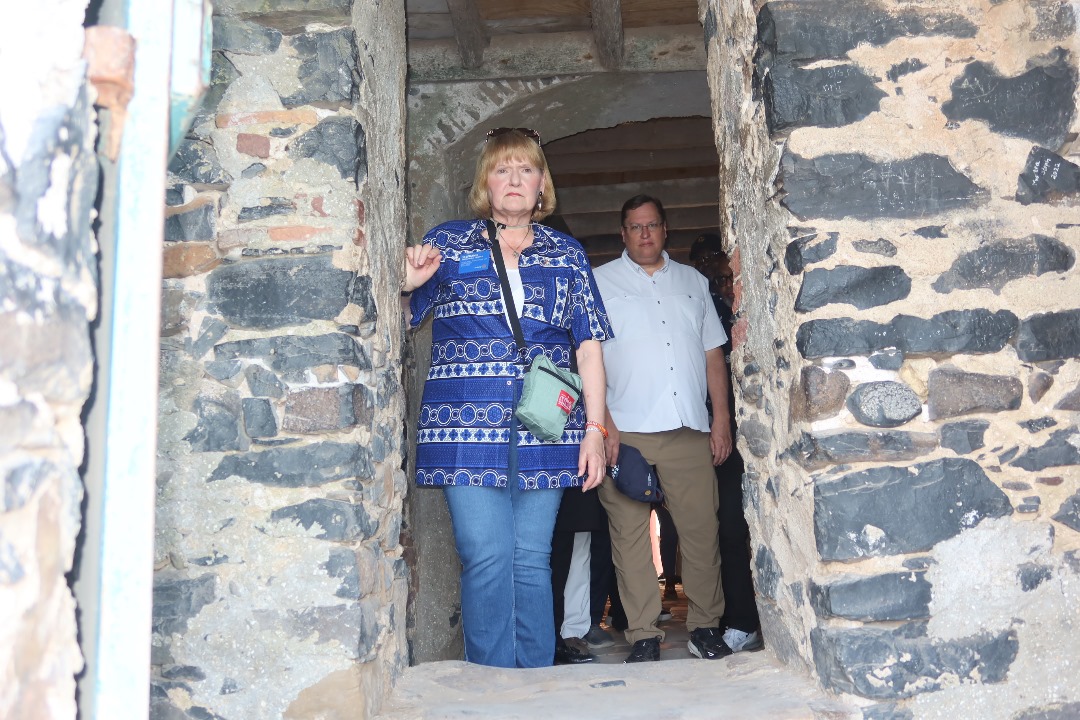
(902,194)
(280,587)
(48,298)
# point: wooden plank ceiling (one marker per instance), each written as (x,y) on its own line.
(596,171)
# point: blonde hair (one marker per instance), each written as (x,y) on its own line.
(513,145)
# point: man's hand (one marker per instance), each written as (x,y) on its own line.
(591,464)
(720,440)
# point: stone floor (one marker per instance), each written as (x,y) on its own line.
(750,686)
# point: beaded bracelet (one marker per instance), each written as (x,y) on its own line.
(593,425)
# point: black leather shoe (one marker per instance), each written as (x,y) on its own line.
(572,651)
(646,650)
(708,644)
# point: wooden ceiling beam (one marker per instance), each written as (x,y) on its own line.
(608,32)
(630,160)
(703,217)
(672,48)
(623,177)
(673,193)
(469,32)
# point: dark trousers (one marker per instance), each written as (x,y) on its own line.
(669,545)
(601,574)
(740,611)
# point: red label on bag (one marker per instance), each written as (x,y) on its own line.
(565,402)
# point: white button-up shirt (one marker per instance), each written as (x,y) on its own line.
(663,325)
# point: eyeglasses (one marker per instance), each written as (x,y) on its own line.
(636,229)
(528,132)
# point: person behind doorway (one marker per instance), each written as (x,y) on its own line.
(665,357)
(502,485)
(741,619)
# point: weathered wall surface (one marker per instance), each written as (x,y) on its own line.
(280,588)
(903,198)
(48,297)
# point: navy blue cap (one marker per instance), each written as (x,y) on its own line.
(634,476)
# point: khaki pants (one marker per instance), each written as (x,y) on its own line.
(688,480)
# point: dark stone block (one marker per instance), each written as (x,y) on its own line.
(919,563)
(328,73)
(758,436)
(952,392)
(174,195)
(229,686)
(1037,105)
(339,521)
(823,97)
(1069,512)
(252,170)
(995,264)
(1056,711)
(896,510)
(342,564)
(893,596)
(183,673)
(263,383)
(196,163)
(272,206)
(290,353)
(336,141)
(1055,452)
(259,420)
(886,711)
(897,664)
(884,404)
(1050,336)
(1055,21)
(817,29)
(1070,401)
(222,370)
(177,600)
(948,333)
(1038,384)
(319,409)
(218,429)
(838,448)
(22,480)
(243,37)
(275,292)
(931,231)
(283,132)
(891,359)
(1032,575)
(360,294)
(855,186)
(819,394)
(1038,424)
(964,437)
(905,68)
(305,466)
(1046,177)
(1008,455)
(347,625)
(768,575)
(881,246)
(211,331)
(222,74)
(862,287)
(805,250)
(195,224)
(363,406)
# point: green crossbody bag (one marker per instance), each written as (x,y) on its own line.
(549,392)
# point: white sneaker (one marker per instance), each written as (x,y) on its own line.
(664,616)
(740,641)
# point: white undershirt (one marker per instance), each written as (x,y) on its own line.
(517,290)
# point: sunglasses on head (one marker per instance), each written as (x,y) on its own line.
(527,132)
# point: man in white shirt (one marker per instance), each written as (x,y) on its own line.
(665,356)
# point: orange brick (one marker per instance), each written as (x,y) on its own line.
(317,206)
(185,259)
(294,233)
(738,333)
(268,117)
(254,145)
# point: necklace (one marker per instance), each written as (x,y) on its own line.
(499,227)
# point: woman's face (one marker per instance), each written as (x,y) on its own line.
(513,186)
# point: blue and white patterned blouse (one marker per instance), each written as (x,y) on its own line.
(475,376)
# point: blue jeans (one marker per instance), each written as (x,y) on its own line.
(503,537)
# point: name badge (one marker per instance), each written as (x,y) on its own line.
(474,261)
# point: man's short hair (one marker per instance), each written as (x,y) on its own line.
(637,201)
(705,244)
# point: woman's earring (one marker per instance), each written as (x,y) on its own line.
(540,201)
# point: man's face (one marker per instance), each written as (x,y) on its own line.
(717,269)
(644,235)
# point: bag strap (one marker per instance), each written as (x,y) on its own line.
(508,295)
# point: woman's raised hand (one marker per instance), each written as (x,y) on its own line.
(421,262)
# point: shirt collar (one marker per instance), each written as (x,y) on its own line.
(634,267)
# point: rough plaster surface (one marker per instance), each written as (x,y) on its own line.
(48,297)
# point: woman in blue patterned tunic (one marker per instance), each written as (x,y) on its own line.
(502,485)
